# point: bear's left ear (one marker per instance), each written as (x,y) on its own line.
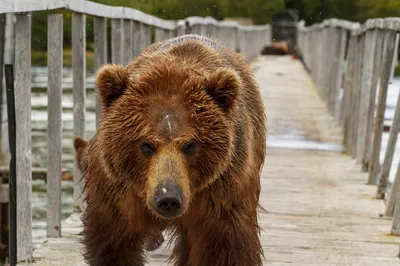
(111,83)
(223,86)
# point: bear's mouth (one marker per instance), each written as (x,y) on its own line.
(168,199)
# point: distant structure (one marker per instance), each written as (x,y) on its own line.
(284,26)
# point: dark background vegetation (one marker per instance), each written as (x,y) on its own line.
(260,11)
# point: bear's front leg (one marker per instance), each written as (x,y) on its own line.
(108,242)
(226,242)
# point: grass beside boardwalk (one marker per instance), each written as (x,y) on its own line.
(39,58)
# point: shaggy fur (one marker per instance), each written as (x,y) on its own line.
(155,238)
(189,89)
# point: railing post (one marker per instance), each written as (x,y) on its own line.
(126,53)
(55,60)
(116,41)
(348,95)
(386,67)
(339,74)
(100,53)
(387,162)
(357,93)
(23,138)
(79,93)
(136,38)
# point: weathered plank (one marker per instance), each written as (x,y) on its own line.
(100,53)
(127,49)
(367,74)
(79,92)
(116,41)
(387,161)
(54,110)
(371,105)
(23,137)
(386,66)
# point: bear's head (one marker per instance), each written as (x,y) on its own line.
(166,130)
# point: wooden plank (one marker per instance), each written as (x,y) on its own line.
(127,49)
(23,137)
(396,211)
(100,53)
(159,35)
(348,93)
(54,111)
(388,52)
(357,95)
(136,38)
(339,73)
(334,69)
(392,203)
(368,63)
(9,58)
(387,162)
(371,105)
(79,92)
(116,41)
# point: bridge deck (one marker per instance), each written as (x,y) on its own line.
(320,212)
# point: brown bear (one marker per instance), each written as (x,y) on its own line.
(155,238)
(180,146)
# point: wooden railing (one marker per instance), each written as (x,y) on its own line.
(371,52)
(131,33)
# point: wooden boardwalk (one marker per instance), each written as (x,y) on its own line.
(319,209)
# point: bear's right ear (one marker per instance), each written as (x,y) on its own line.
(111,83)
(80,143)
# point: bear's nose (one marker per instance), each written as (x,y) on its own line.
(168,199)
(169,203)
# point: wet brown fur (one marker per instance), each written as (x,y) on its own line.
(155,237)
(187,88)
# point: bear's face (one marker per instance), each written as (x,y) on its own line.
(167,129)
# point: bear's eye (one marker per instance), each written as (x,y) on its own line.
(189,148)
(147,149)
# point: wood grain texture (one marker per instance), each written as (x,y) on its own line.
(54,111)
(23,136)
(319,210)
(386,67)
(78,93)
(116,41)
(100,53)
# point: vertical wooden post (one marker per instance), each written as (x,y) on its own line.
(386,67)
(79,92)
(357,94)
(55,59)
(142,38)
(396,217)
(100,53)
(127,50)
(159,35)
(394,198)
(370,104)
(9,58)
(368,60)
(387,162)
(339,73)
(348,92)
(23,138)
(136,38)
(116,41)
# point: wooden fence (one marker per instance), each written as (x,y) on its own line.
(356,95)
(131,33)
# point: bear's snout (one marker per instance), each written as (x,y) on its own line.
(168,199)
